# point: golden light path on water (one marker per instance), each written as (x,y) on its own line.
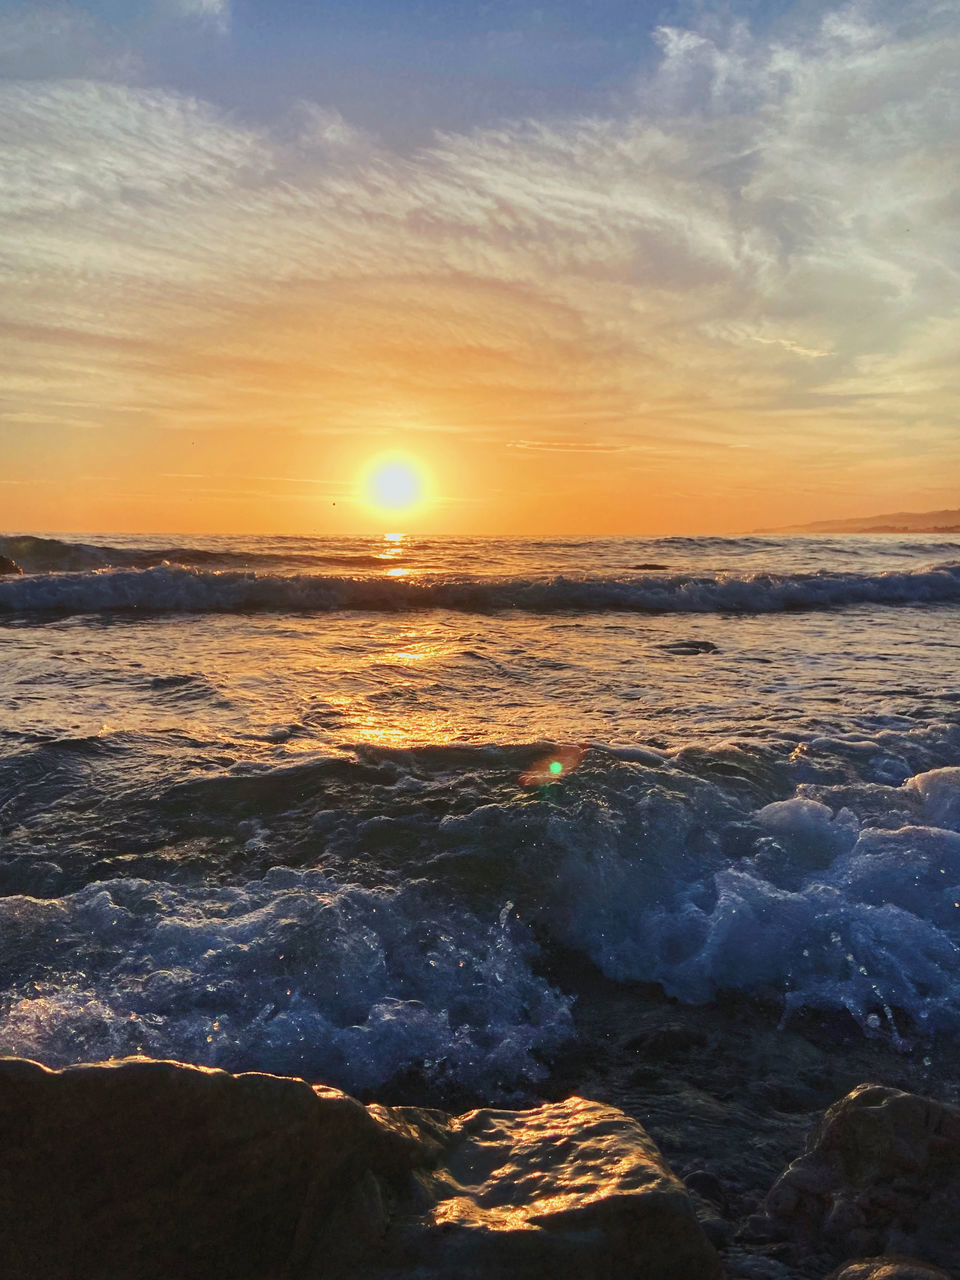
(412,650)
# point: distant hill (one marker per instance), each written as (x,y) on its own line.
(897,522)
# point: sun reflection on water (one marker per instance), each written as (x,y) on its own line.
(387,708)
(392,548)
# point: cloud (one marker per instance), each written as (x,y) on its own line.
(809,352)
(333,486)
(761,244)
(214,12)
(64,42)
(53,41)
(568,446)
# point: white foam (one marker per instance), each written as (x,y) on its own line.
(828,911)
(876,928)
(939,792)
(293,973)
(810,823)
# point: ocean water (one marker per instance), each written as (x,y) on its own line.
(331,807)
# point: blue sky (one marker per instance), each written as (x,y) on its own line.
(709,255)
(401,68)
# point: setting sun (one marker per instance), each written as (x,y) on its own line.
(397,485)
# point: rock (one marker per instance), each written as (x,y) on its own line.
(688,648)
(888,1268)
(880,1174)
(670,1040)
(746,1266)
(709,1187)
(151,1169)
(571,1188)
(142,1170)
(9,566)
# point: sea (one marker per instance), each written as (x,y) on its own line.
(355,808)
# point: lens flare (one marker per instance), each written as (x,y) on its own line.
(550,769)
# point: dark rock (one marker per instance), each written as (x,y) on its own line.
(687,648)
(711,1205)
(758,1229)
(650,1078)
(150,1169)
(880,1173)
(9,566)
(670,1040)
(888,1268)
(790,1096)
(716,1228)
(708,1186)
(142,1170)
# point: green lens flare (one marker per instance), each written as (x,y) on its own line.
(556,766)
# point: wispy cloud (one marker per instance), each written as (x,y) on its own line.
(568,446)
(215,12)
(788,345)
(312,481)
(47,41)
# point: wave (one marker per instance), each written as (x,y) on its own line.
(169,589)
(835,897)
(51,555)
(826,878)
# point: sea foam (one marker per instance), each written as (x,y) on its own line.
(834,916)
(294,973)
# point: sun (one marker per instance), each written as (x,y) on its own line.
(395,485)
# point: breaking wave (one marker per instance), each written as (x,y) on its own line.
(827,879)
(294,972)
(166,588)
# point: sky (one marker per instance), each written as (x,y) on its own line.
(592,266)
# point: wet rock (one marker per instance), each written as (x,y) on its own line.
(880,1174)
(711,1209)
(716,1228)
(141,1170)
(789,1096)
(9,566)
(746,1266)
(671,1040)
(688,648)
(888,1268)
(708,1186)
(570,1188)
(152,1170)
